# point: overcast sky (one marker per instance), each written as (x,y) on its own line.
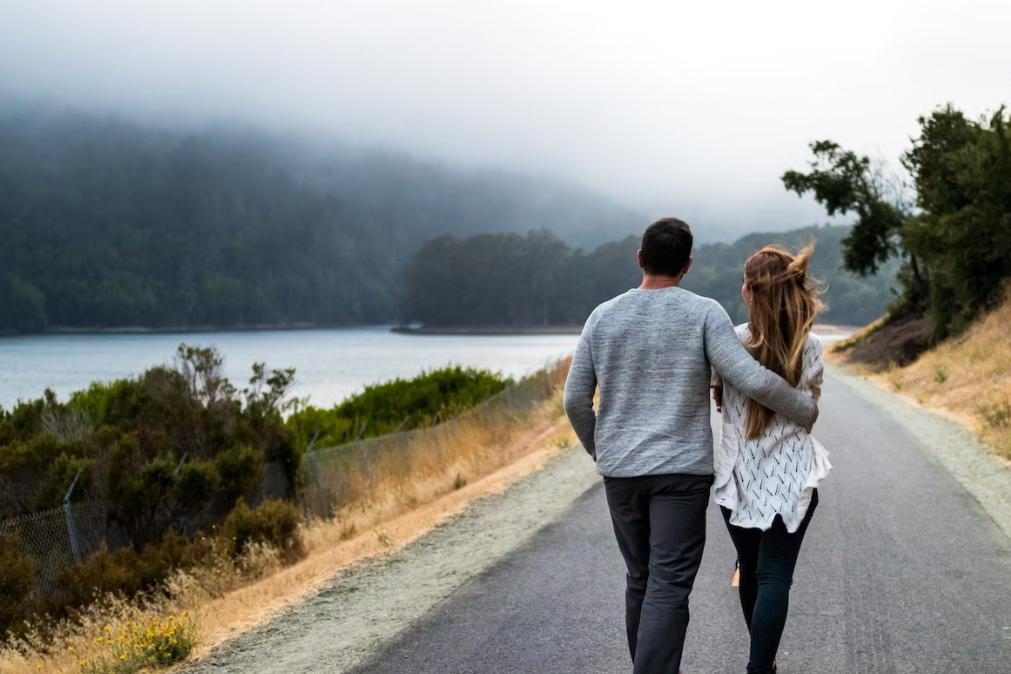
(692,109)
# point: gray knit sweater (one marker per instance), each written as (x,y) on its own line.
(650,353)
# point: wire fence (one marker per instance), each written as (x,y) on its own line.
(58,538)
(336,477)
(331,477)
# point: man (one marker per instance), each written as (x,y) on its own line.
(649,351)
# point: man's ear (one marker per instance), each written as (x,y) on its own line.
(688,265)
(638,259)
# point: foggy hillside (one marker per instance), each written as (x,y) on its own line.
(109,223)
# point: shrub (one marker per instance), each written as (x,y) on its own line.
(274,523)
(996,415)
(240,469)
(401,404)
(17,578)
(128,571)
(196,481)
(138,645)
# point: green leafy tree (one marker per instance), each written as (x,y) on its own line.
(956,243)
(844,182)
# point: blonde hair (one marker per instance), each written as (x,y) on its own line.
(784,303)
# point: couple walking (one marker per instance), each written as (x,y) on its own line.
(654,353)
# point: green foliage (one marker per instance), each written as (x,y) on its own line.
(955,246)
(177,453)
(131,570)
(23,304)
(844,183)
(996,415)
(274,523)
(173,447)
(196,480)
(239,469)
(400,404)
(512,281)
(17,579)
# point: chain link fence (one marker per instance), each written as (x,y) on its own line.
(331,478)
(58,538)
(336,477)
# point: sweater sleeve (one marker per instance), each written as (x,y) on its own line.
(732,361)
(580,387)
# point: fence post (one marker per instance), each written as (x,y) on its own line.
(75,549)
(179,466)
(310,453)
(361,429)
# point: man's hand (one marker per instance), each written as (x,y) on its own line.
(817,411)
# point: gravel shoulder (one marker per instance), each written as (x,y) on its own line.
(351,617)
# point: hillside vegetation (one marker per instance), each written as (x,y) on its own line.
(508,280)
(170,461)
(106,223)
(944,341)
(968,377)
(951,234)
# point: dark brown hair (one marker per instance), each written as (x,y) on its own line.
(666,247)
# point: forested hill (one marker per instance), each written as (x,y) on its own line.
(513,281)
(105,223)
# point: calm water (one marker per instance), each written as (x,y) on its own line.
(329,364)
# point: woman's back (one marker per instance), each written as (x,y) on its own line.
(775,473)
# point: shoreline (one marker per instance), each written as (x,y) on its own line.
(471,331)
(186,330)
(488,331)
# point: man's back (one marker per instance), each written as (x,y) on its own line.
(646,351)
(650,352)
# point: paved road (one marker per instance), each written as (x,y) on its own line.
(902,571)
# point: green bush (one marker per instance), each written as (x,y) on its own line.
(273,522)
(17,578)
(127,571)
(401,404)
(996,415)
(240,469)
(196,480)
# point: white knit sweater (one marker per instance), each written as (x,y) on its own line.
(777,473)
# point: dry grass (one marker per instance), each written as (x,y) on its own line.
(392,494)
(967,378)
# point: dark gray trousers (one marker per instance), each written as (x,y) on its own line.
(660,524)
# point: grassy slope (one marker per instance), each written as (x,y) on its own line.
(967,377)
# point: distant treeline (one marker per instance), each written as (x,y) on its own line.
(107,224)
(508,280)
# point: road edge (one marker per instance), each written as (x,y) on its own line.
(948,443)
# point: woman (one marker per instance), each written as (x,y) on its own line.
(767,467)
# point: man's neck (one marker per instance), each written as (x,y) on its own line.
(653,282)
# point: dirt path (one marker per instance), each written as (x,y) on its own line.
(369,604)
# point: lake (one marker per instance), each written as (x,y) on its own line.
(329,364)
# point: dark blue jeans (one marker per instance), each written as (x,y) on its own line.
(767,560)
(660,524)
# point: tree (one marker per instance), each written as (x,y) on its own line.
(844,182)
(956,243)
(963,229)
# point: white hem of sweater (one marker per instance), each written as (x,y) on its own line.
(725,493)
